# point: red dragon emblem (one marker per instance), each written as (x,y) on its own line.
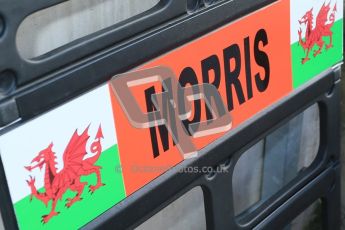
(313,36)
(75,166)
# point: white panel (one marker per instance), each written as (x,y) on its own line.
(21,145)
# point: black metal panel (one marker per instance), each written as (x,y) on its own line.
(218,199)
(54,78)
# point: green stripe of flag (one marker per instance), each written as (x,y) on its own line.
(304,72)
(29,213)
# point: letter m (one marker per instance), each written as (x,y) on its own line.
(162,130)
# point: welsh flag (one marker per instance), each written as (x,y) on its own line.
(316,37)
(62,167)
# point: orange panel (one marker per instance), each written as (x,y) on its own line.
(260,40)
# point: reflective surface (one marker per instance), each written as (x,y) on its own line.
(309,219)
(276,160)
(51,28)
(187,212)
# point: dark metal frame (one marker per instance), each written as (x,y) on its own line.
(320,180)
(52,79)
